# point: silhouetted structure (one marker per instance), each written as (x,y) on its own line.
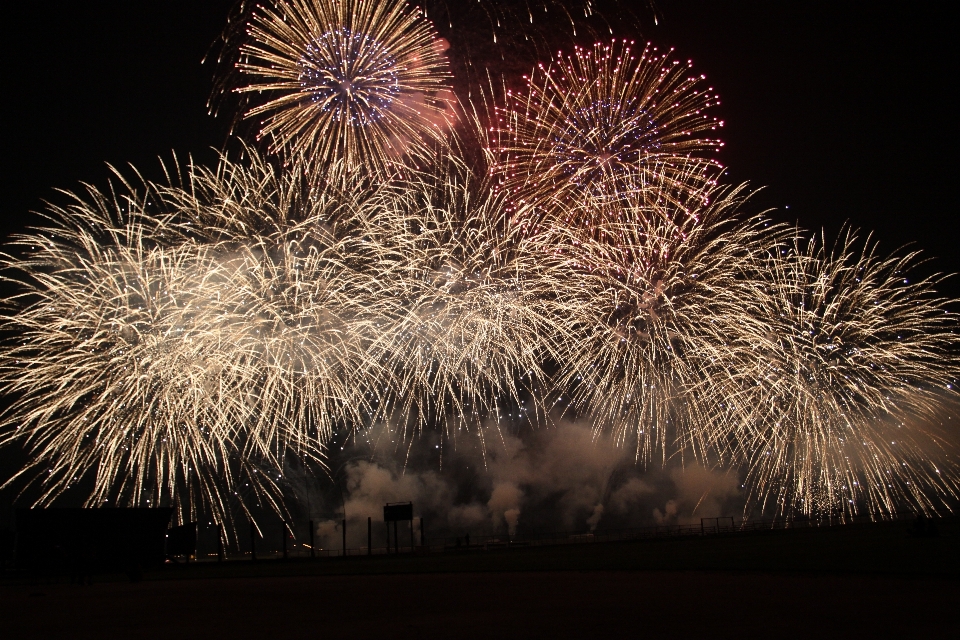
(924,527)
(182,541)
(83,542)
(7,538)
(395,512)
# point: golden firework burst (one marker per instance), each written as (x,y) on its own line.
(360,82)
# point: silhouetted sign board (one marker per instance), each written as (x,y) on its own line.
(398,511)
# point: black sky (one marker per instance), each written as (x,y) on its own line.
(842,110)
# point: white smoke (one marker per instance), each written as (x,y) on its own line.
(701,493)
(594,518)
(504,506)
(553,479)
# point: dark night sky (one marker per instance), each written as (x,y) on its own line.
(841,110)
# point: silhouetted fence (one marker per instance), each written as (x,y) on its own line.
(722,526)
(80,546)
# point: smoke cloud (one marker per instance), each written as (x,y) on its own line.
(553,479)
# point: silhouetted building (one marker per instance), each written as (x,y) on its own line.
(87,541)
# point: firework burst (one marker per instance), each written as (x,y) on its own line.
(466,337)
(180,340)
(596,123)
(653,306)
(849,384)
(117,371)
(353,81)
(307,282)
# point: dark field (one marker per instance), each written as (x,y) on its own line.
(873,581)
(491,605)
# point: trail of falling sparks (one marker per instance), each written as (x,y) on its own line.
(653,303)
(470,322)
(120,370)
(184,355)
(842,404)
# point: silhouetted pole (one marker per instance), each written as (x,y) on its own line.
(219,543)
(284,533)
(422,539)
(388,536)
(396,539)
(369,535)
(312,553)
(412,548)
(253,541)
(344,537)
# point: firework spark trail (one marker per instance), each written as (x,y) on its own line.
(179,340)
(650,314)
(284,312)
(305,285)
(293,310)
(848,384)
(117,370)
(591,123)
(470,327)
(353,81)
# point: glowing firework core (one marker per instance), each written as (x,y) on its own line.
(350,76)
(346,82)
